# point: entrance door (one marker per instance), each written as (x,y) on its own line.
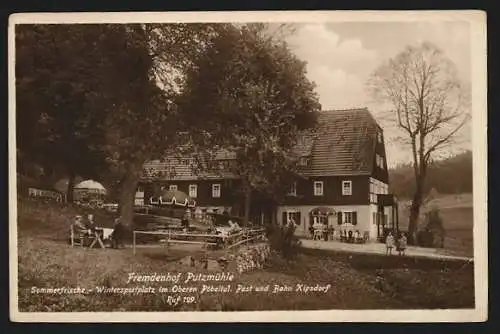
(381,223)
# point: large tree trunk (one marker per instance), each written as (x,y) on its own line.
(415,212)
(71,186)
(247,200)
(128,189)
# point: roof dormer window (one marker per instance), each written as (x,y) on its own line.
(304,161)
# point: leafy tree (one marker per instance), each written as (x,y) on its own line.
(98,99)
(428,104)
(142,122)
(249,94)
(55,71)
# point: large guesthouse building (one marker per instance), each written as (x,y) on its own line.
(343,179)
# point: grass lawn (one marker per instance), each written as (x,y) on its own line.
(357,281)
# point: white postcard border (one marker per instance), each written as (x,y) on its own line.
(477,20)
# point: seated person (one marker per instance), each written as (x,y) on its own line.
(318,226)
(357,236)
(78,224)
(78,227)
(350,237)
(311,230)
(343,236)
(90,223)
(326,232)
(234,226)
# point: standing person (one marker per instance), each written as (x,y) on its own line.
(389,243)
(402,243)
(117,235)
(185,221)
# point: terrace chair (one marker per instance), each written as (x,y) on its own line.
(77,237)
(318,234)
(343,236)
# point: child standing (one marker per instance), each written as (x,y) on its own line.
(402,244)
(389,243)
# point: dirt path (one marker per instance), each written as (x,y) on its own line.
(378,248)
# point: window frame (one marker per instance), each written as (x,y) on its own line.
(349,182)
(195,187)
(350,217)
(214,193)
(322,188)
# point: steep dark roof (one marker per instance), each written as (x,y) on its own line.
(344,143)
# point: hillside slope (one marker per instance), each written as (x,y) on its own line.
(449,176)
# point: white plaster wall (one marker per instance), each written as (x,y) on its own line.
(364,219)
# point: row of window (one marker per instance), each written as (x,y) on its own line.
(193,190)
(379,161)
(318,188)
(379,136)
(343,217)
(377,187)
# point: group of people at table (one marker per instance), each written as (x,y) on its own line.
(321,231)
(89,233)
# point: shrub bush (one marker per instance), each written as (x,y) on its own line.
(283,240)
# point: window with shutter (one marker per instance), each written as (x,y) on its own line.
(339,218)
(354,218)
(284,218)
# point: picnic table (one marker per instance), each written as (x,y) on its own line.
(97,235)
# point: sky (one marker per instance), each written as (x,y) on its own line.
(340,57)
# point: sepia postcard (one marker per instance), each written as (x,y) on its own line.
(290,166)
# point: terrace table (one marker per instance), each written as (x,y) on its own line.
(98,233)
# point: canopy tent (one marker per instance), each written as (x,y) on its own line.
(323,211)
(91,185)
(172,197)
